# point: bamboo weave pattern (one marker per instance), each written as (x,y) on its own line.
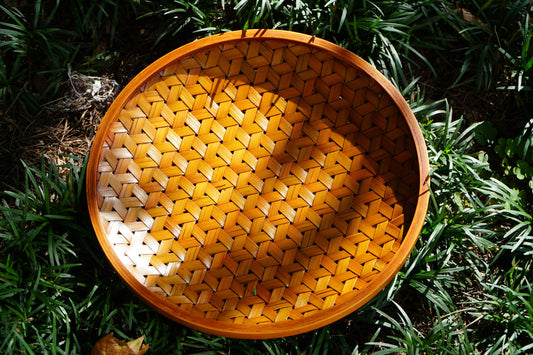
(257,182)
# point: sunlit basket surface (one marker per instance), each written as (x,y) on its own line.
(258,184)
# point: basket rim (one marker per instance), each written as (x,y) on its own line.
(287,327)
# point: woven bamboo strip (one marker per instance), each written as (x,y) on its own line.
(257,181)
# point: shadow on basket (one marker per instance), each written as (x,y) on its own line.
(258,185)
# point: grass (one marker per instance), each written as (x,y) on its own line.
(468,284)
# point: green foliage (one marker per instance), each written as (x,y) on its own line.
(467,287)
(480,44)
(34,54)
(38,258)
(14,87)
(39,43)
(178,16)
(94,19)
(475,224)
(517,155)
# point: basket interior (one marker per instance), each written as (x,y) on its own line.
(257,182)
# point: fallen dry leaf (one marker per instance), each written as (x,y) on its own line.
(469,17)
(109,345)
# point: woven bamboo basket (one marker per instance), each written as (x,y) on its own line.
(258,184)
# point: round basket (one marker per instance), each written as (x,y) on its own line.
(258,183)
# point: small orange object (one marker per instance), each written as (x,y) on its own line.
(258,183)
(109,345)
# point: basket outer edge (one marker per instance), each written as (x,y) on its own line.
(277,329)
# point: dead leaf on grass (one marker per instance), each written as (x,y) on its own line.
(109,345)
